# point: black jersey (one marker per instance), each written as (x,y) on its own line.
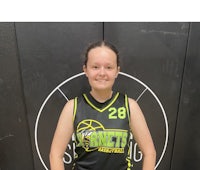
(102,133)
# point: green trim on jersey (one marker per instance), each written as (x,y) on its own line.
(96,108)
(127,107)
(75,108)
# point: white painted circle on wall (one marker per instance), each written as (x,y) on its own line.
(146,88)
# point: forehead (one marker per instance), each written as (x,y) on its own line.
(102,53)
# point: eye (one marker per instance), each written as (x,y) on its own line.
(109,67)
(95,67)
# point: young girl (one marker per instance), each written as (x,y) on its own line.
(102,120)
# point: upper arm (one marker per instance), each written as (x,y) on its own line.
(139,128)
(64,129)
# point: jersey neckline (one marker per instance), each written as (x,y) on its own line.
(100,106)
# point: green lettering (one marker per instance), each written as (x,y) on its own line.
(111,138)
(93,140)
(102,138)
(118,136)
(108,139)
(124,139)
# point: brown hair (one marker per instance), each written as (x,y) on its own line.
(101,44)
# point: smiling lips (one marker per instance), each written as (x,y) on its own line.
(101,80)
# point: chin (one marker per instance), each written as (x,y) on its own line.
(102,88)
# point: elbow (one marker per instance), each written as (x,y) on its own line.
(51,154)
(51,157)
(54,157)
(153,153)
(56,161)
(150,153)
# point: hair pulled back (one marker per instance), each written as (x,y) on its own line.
(101,44)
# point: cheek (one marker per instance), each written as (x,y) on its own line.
(115,74)
(90,75)
(87,72)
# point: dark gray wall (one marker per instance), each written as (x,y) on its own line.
(35,58)
(15,142)
(186,152)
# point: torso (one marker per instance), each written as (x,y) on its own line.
(102,133)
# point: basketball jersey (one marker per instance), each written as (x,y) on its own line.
(102,133)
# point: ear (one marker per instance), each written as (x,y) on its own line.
(85,69)
(118,70)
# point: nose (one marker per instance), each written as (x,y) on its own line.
(102,71)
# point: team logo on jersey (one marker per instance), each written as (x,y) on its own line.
(92,136)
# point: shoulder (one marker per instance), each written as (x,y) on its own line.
(69,107)
(70,103)
(134,106)
(132,102)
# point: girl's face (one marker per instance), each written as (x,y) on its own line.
(101,68)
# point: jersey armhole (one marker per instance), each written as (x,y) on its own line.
(127,107)
(75,108)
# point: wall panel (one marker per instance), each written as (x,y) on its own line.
(186,149)
(15,146)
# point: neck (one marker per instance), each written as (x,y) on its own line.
(101,96)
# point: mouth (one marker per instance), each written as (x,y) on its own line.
(101,80)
